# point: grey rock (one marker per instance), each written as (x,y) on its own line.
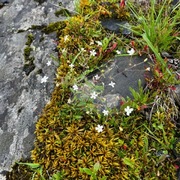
(124,72)
(116,26)
(22,95)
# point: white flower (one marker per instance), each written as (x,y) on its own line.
(118,52)
(94,95)
(93,52)
(131,51)
(105,112)
(75,87)
(99,43)
(112,84)
(128,110)
(66,38)
(71,65)
(96,77)
(99,128)
(48,63)
(44,79)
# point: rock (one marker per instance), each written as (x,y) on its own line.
(116,26)
(119,74)
(22,95)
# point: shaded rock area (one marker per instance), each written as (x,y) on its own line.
(22,94)
(116,77)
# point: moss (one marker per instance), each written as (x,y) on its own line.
(66,138)
(27,52)
(54,27)
(40,1)
(30,39)
(29,64)
(177,148)
(38,27)
(63,12)
(20,31)
(20,172)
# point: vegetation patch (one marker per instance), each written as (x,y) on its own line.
(76,140)
(29,60)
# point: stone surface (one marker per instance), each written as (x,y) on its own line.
(116,78)
(116,26)
(22,96)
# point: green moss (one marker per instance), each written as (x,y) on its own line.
(30,39)
(63,12)
(177,148)
(54,27)
(29,64)
(27,52)
(20,172)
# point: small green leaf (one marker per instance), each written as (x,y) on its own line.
(128,162)
(31,165)
(96,167)
(87,171)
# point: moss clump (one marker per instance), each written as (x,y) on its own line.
(20,172)
(62,12)
(29,64)
(30,39)
(177,148)
(27,53)
(54,27)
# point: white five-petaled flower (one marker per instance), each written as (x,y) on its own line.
(99,128)
(118,52)
(131,51)
(75,87)
(112,84)
(71,65)
(48,63)
(96,77)
(44,79)
(99,43)
(128,110)
(105,112)
(66,38)
(94,95)
(93,52)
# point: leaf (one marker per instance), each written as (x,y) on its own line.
(128,162)
(96,167)
(87,171)
(31,165)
